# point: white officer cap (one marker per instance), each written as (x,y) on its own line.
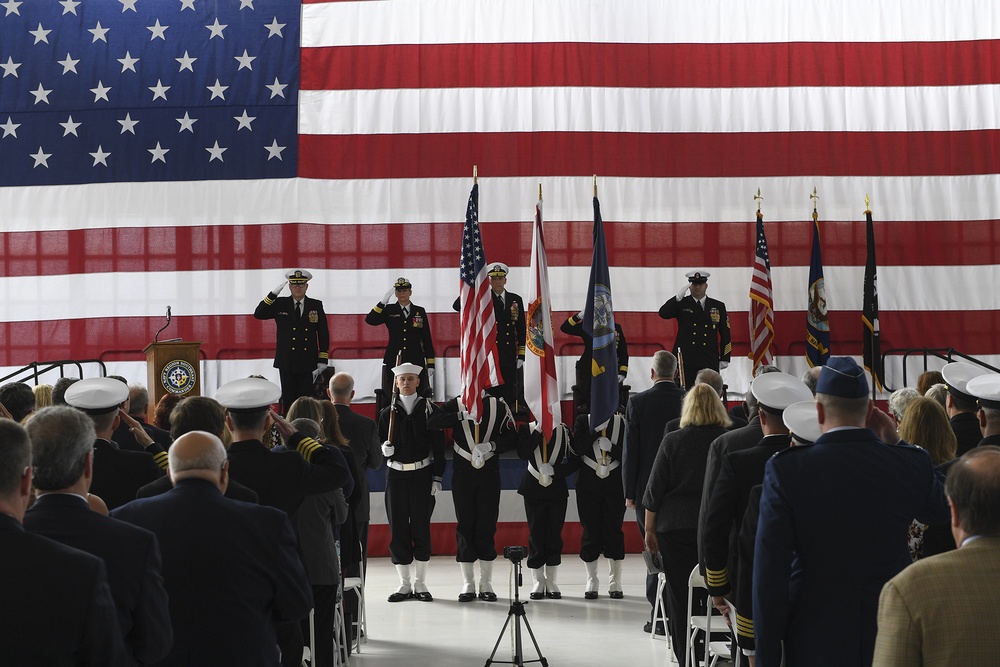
(298,276)
(776,391)
(97,396)
(957,375)
(697,277)
(403,369)
(986,388)
(499,270)
(248,394)
(802,420)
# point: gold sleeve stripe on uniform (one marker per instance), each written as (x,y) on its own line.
(623,368)
(324,355)
(162,460)
(717,578)
(377,308)
(520,350)
(744,626)
(307,447)
(430,361)
(268,300)
(727,349)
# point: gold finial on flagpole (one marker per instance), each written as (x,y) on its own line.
(595,186)
(757,198)
(475,174)
(868,204)
(539,192)
(815,198)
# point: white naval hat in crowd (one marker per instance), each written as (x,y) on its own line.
(403,369)
(248,394)
(97,396)
(802,420)
(298,276)
(698,276)
(499,270)
(986,389)
(776,391)
(957,375)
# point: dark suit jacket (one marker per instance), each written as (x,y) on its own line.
(57,608)
(234,490)
(132,558)
(125,440)
(744,568)
(511,327)
(967,431)
(646,415)
(362,433)
(411,335)
(833,523)
(118,474)
(740,471)
(231,570)
(302,342)
(283,479)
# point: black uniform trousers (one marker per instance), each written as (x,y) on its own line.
(409,505)
(601,505)
(545,523)
(679,555)
(477,508)
(294,385)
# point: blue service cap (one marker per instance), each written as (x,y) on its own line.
(841,376)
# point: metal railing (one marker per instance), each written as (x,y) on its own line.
(946,354)
(36,369)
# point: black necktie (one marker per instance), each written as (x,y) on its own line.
(298,308)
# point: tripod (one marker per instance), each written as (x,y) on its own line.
(517,613)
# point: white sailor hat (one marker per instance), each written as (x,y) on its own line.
(403,369)
(957,375)
(986,388)
(499,270)
(802,421)
(248,394)
(298,276)
(776,391)
(698,277)
(97,396)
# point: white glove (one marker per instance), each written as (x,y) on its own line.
(520,363)
(723,365)
(684,290)
(482,449)
(544,479)
(280,288)
(388,296)
(621,378)
(387,449)
(320,367)
(604,444)
(436,487)
(546,469)
(579,316)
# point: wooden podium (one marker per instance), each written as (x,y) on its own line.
(172,368)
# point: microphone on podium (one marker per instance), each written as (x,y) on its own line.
(156,338)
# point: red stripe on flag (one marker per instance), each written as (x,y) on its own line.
(693,155)
(651,65)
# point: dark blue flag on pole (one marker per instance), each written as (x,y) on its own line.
(817,320)
(599,323)
(872,353)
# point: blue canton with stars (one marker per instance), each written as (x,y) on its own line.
(473,258)
(97,91)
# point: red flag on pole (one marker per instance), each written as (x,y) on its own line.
(541,385)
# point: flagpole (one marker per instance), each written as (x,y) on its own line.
(475,174)
(545,436)
(475,181)
(871,332)
(595,185)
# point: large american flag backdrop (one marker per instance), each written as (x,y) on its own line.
(186,153)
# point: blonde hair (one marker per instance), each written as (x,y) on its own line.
(925,424)
(703,407)
(43,396)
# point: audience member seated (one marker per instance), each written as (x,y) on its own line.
(928,379)
(19,400)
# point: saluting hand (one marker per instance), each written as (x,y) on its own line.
(281,286)
(136,429)
(285,430)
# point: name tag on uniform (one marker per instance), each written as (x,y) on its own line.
(314,316)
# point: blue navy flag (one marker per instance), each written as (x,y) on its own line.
(599,323)
(872,351)
(141,90)
(817,319)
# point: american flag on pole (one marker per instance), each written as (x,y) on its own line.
(478,354)
(761,302)
(541,383)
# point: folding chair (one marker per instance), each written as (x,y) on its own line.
(359,624)
(726,649)
(660,610)
(700,623)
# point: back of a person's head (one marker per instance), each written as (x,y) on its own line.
(307,407)
(664,365)
(43,396)
(766,368)
(331,425)
(938,392)
(59,390)
(248,420)
(703,407)
(928,379)
(61,438)
(196,454)
(18,398)
(811,378)
(308,428)
(973,486)
(138,400)
(926,424)
(164,407)
(711,378)
(15,456)
(197,413)
(341,386)
(900,399)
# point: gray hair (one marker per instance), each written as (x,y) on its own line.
(811,378)
(308,427)
(15,456)
(664,364)
(899,399)
(61,438)
(138,398)
(973,485)
(712,378)
(341,385)
(766,368)
(939,392)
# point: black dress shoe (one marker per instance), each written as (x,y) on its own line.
(648,627)
(536,596)
(424,597)
(399,597)
(556,595)
(466,597)
(488,596)
(590,595)
(616,595)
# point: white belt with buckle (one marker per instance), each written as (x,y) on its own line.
(465,454)
(409,467)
